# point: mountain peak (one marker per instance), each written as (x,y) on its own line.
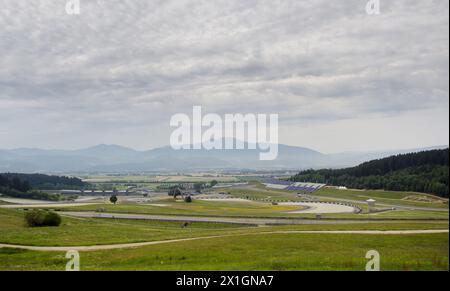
(107,147)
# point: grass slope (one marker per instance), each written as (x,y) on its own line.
(255,252)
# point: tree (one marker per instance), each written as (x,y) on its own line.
(25,182)
(175,192)
(426,172)
(113,199)
(214,183)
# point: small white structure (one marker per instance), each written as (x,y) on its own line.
(371,204)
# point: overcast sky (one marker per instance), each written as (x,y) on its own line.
(339,79)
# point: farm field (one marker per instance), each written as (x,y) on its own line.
(158,179)
(152,182)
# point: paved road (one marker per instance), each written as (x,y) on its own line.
(141,244)
(231,220)
(398,207)
(46,205)
(24,201)
(321,208)
(309,207)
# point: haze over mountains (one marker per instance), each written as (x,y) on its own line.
(118,159)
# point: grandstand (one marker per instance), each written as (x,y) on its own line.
(293,186)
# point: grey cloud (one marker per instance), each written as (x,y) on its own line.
(132,63)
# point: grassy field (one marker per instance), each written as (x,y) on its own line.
(411,214)
(90,231)
(84,231)
(242,248)
(261,210)
(197,207)
(254,252)
(238,247)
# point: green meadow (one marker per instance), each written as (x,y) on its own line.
(254,252)
(224,246)
(238,247)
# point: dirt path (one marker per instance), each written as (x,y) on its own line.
(135,245)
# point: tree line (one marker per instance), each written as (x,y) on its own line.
(426,172)
(47,182)
(28,185)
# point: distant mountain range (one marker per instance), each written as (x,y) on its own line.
(118,159)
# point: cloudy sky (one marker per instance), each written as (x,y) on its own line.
(339,79)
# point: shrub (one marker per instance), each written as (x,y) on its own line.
(188,199)
(37,218)
(52,219)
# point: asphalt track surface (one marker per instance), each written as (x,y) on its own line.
(210,219)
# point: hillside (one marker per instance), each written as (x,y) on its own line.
(29,185)
(425,172)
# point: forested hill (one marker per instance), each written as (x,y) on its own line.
(425,172)
(40,181)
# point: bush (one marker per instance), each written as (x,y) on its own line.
(188,199)
(38,218)
(52,219)
(35,218)
(113,199)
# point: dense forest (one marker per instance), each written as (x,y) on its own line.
(28,185)
(47,182)
(425,172)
